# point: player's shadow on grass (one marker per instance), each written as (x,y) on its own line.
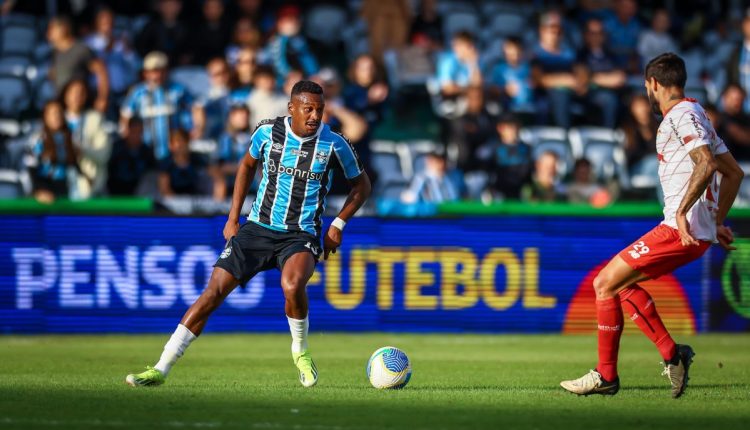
(691,386)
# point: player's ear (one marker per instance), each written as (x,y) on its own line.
(289,107)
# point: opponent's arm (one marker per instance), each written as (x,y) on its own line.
(704,166)
(359,193)
(731,178)
(245,175)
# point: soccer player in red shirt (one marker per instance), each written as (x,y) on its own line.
(696,204)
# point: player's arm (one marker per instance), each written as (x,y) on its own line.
(704,167)
(245,175)
(360,191)
(731,178)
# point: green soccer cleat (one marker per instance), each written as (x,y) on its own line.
(308,373)
(150,377)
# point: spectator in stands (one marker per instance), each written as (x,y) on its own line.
(56,156)
(166,33)
(544,185)
(74,60)
(640,137)
(131,159)
(510,79)
(259,13)
(265,102)
(120,61)
(245,37)
(657,39)
(89,138)
(433,185)
(388,23)
(584,189)
(738,68)
(233,145)
(210,111)
(508,159)
(427,27)
(623,29)
(211,36)
(180,172)
(601,74)
(288,48)
(336,114)
(162,105)
(459,69)
(367,91)
(244,68)
(552,69)
(472,129)
(733,123)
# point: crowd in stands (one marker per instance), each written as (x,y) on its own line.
(160,97)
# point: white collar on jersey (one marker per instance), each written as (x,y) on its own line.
(288,126)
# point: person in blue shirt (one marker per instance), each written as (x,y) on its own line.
(288,49)
(511,78)
(211,110)
(164,106)
(623,30)
(458,69)
(232,146)
(180,171)
(297,154)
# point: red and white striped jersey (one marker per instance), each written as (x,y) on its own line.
(684,128)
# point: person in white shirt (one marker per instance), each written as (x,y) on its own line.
(657,39)
(700,180)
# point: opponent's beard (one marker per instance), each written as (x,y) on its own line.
(654,103)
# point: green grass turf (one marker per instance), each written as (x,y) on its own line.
(248,381)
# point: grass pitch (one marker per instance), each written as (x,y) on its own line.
(247,381)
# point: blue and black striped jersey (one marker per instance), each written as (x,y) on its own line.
(297,174)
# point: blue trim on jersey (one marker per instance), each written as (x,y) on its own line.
(270,227)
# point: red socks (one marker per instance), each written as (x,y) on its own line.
(639,304)
(610,320)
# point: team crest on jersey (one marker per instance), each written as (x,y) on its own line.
(321,156)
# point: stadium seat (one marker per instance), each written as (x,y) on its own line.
(18,19)
(555,139)
(194,78)
(603,147)
(324,22)
(418,151)
(408,66)
(448,7)
(15,96)
(459,21)
(14,65)
(491,8)
(13,184)
(508,24)
(44,91)
(18,39)
(391,162)
(9,127)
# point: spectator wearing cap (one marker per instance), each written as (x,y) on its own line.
(552,69)
(233,144)
(162,105)
(601,75)
(388,23)
(211,110)
(211,37)
(120,60)
(167,33)
(458,69)
(265,101)
(288,48)
(74,60)
(130,160)
(510,79)
(507,159)
(623,30)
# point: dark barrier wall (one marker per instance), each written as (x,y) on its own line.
(479,274)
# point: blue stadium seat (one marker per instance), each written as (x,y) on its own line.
(44,91)
(14,65)
(324,22)
(555,139)
(18,19)
(18,39)
(508,24)
(459,21)
(194,78)
(15,96)
(603,147)
(13,184)
(391,163)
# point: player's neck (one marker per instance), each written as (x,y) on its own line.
(674,98)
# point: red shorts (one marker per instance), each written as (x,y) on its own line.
(660,251)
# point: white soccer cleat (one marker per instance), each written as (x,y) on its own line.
(592,383)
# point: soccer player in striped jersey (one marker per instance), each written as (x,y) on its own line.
(296,154)
(700,180)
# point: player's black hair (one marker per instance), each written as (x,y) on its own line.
(306,87)
(465,36)
(668,69)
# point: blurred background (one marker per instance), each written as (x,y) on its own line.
(449,100)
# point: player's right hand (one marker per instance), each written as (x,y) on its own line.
(683,227)
(725,236)
(230,229)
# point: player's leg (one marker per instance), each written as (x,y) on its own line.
(219,286)
(638,303)
(296,272)
(615,276)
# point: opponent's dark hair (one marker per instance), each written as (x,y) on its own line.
(668,69)
(306,87)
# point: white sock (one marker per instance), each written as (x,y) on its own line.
(175,347)
(298,328)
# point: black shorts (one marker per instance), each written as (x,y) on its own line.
(256,249)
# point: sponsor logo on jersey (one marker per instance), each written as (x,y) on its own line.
(293,171)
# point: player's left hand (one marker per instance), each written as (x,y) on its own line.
(725,236)
(332,241)
(683,226)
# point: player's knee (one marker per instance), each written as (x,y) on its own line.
(603,285)
(292,285)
